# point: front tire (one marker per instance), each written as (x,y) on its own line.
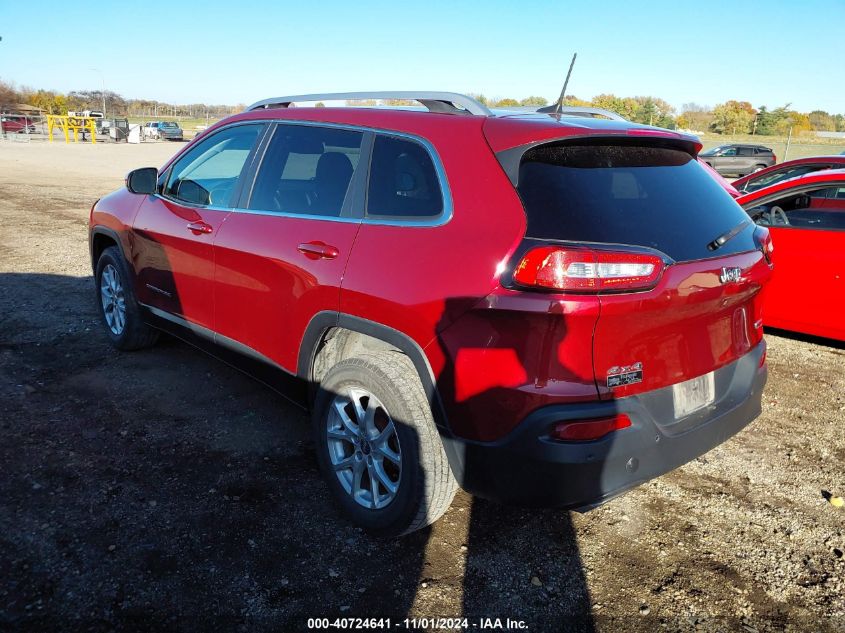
(116,303)
(378,447)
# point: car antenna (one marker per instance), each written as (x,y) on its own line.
(559,106)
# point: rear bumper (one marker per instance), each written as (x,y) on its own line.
(527,467)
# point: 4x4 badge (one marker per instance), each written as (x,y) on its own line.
(730,274)
(626,375)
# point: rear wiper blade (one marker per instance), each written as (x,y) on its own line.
(724,237)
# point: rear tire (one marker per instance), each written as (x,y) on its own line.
(410,492)
(116,303)
(758,168)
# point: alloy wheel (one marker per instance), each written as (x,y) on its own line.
(364,448)
(113,300)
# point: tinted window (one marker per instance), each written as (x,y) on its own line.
(634,194)
(403,180)
(208,173)
(307,170)
(728,151)
(763,150)
(744,151)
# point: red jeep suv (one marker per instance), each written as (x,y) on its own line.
(540,308)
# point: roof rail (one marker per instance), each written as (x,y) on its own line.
(585,111)
(444,102)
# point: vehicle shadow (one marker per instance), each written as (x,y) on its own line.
(522,563)
(806,338)
(163,490)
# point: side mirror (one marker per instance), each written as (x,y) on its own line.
(143,180)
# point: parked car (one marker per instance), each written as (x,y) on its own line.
(164,130)
(787,170)
(508,303)
(739,160)
(16,124)
(806,217)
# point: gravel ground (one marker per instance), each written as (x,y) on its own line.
(162,490)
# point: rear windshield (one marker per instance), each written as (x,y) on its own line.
(639,195)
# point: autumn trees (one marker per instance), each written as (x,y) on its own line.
(731,117)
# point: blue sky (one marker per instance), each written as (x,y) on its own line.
(768,53)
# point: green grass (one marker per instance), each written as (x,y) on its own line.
(799,147)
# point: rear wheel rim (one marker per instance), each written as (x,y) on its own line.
(113,300)
(363,447)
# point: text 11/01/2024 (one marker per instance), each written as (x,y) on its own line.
(417,624)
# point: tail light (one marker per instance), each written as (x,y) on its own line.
(764,239)
(586,270)
(774,157)
(586,430)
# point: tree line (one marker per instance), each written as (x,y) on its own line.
(731,117)
(740,117)
(52,102)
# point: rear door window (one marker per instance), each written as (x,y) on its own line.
(640,195)
(403,181)
(307,170)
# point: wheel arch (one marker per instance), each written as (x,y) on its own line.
(320,330)
(101,238)
(351,332)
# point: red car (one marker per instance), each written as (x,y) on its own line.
(18,124)
(785,171)
(542,309)
(806,217)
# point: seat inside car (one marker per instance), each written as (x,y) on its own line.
(334,171)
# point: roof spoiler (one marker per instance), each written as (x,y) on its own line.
(511,159)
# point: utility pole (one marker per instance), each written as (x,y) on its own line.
(103,79)
(788,141)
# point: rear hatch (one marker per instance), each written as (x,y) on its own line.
(677,264)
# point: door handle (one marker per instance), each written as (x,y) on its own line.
(318,250)
(199,227)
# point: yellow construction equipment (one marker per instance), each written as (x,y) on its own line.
(75,124)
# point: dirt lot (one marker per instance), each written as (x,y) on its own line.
(162,490)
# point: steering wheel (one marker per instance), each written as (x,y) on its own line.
(778,216)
